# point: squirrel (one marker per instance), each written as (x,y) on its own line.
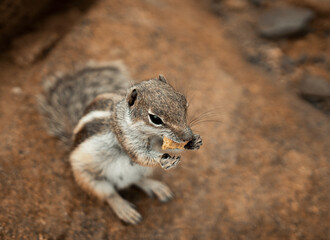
(115,129)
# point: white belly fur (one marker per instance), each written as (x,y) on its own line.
(122,173)
(115,165)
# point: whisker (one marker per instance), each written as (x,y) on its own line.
(204,116)
(131,83)
(200,116)
(205,121)
(208,114)
(215,111)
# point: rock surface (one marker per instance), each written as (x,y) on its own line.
(284,21)
(263,171)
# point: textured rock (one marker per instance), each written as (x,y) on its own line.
(263,171)
(284,21)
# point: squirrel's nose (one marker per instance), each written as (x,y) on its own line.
(187,135)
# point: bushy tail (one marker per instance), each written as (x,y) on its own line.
(66,97)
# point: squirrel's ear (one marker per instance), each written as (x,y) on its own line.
(132,97)
(162,78)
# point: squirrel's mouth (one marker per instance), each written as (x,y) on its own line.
(179,139)
(172,138)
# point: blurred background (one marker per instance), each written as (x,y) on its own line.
(260,67)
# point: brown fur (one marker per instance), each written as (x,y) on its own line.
(164,101)
(81,180)
(90,129)
(103,102)
(161,99)
(123,141)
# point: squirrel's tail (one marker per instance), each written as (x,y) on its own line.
(66,97)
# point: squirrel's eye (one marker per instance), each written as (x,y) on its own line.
(155,120)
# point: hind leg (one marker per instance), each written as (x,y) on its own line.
(93,182)
(154,187)
(105,191)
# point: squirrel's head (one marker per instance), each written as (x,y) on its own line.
(157,109)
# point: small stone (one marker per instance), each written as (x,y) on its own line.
(17,91)
(284,21)
(312,85)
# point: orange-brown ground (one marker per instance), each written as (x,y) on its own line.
(262,173)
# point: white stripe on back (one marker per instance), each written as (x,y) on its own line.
(90,117)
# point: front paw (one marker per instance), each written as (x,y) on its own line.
(195,143)
(167,161)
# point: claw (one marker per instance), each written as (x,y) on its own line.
(159,189)
(124,210)
(168,162)
(195,143)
